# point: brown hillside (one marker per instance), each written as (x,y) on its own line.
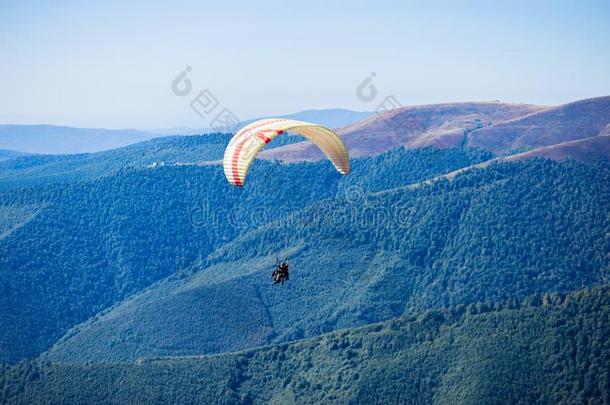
(569,122)
(583,149)
(442,125)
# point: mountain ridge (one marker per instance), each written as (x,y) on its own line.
(568,122)
(56,139)
(441,125)
(64,139)
(488,125)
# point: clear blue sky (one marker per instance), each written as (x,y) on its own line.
(107,64)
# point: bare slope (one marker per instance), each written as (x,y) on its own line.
(582,149)
(497,127)
(569,122)
(442,125)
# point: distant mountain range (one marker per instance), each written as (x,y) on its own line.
(502,128)
(332,118)
(53,139)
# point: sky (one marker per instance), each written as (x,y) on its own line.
(111,64)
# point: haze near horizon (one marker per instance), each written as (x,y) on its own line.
(111,65)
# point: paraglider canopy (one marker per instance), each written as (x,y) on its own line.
(251,139)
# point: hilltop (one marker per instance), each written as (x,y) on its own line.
(498,127)
(569,122)
(440,125)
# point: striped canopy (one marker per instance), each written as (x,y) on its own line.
(251,139)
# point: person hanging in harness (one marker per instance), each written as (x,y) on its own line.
(280,274)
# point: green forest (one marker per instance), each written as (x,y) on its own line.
(85,245)
(549,348)
(315,202)
(121,282)
(454,247)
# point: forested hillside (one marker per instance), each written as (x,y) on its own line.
(107,261)
(505,232)
(27,171)
(75,248)
(547,349)
(9,154)
(45,169)
(231,252)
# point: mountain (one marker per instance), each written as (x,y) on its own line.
(497,127)
(569,122)
(9,154)
(72,249)
(505,232)
(24,170)
(123,279)
(551,348)
(45,169)
(332,118)
(591,149)
(441,125)
(52,139)
(585,149)
(81,247)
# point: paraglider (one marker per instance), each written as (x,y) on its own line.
(250,140)
(281,271)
